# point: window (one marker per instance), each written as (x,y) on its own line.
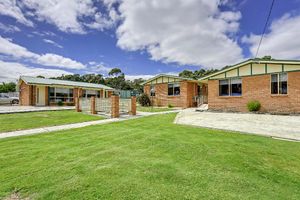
(90,93)
(60,94)
(224,87)
(152,91)
(230,87)
(174,89)
(236,87)
(279,83)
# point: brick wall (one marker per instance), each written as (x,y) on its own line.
(24,94)
(258,88)
(187,91)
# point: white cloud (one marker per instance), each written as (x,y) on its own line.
(98,67)
(9,28)
(50,59)
(67,16)
(143,76)
(70,16)
(192,32)
(282,41)
(10,8)
(53,43)
(11,49)
(16,51)
(11,71)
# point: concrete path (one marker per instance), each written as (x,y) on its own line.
(78,125)
(19,109)
(278,126)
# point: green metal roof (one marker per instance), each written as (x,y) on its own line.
(255,60)
(166,75)
(45,81)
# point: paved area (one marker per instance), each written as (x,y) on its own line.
(77,125)
(18,109)
(278,126)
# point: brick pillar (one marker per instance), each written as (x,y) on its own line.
(133,105)
(77,104)
(115,113)
(93,105)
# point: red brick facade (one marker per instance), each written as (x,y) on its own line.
(258,88)
(27,95)
(188,90)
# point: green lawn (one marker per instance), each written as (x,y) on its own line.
(21,121)
(149,158)
(153,109)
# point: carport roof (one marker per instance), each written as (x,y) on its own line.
(54,82)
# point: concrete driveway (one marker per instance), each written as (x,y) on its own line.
(280,126)
(17,109)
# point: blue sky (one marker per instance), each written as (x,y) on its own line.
(142,37)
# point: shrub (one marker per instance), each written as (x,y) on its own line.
(170,105)
(60,103)
(144,100)
(253,106)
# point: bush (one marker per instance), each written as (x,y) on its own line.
(253,106)
(170,105)
(144,100)
(60,103)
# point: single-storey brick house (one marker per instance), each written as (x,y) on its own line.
(165,90)
(43,92)
(274,83)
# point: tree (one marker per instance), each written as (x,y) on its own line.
(197,73)
(115,72)
(187,74)
(8,87)
(40,76)
(267,58)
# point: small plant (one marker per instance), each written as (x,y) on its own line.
(60,103)
(170,105)
(144,100)
(253,106)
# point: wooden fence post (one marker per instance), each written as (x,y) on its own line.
(133,105)
(115,111)
(93,105)
(77,104)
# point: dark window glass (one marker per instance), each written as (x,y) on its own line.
(236,87)
(170,90)
(283,83)
(176,89)
(274,84)
(224,87)
(279,83)
(70,92)
(152,90)
(51,91)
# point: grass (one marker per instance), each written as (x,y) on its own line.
(149,158)
(153,109)
(22,121)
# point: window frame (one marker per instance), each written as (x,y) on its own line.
(278,84)
(173,89)
(152,94)
(70,98)
(230,87)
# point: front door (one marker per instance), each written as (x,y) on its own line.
(40,96)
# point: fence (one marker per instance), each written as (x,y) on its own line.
(113,106)
(103,105)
